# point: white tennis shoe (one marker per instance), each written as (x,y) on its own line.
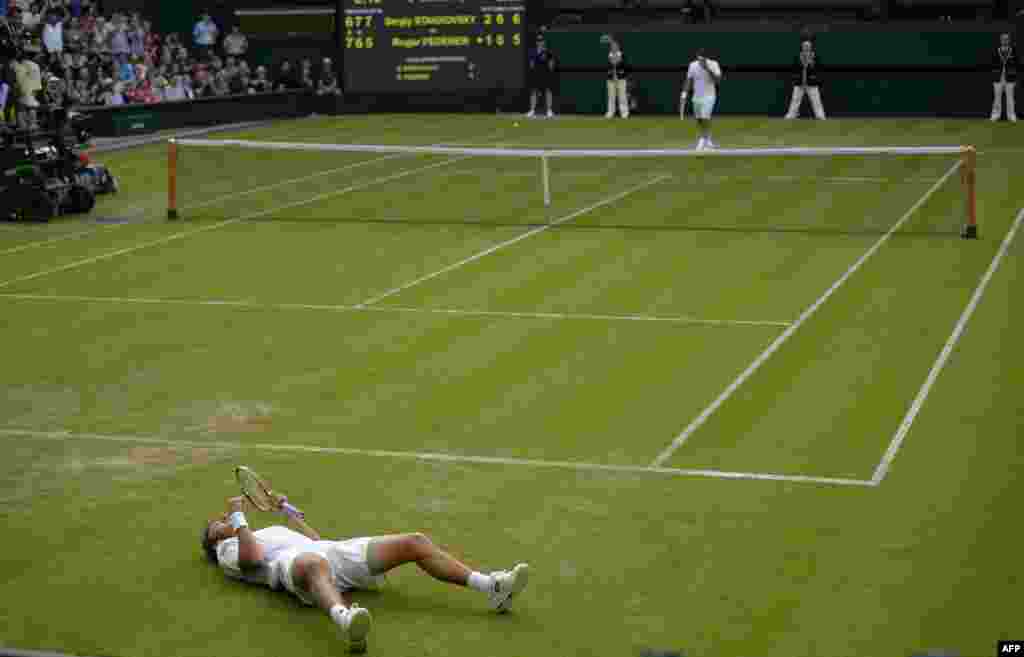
(355,626)
(508,584)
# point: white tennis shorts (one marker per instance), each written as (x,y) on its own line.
(348,561)
(703,107)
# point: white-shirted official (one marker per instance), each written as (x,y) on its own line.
(617,73)
(806,80)
(1005,64)
(702,79)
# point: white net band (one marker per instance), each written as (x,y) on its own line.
(577,152)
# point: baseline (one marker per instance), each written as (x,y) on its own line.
(442,457)
(253,305)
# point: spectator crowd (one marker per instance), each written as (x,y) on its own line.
(120,59)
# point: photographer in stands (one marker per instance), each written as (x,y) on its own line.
(806,79)
(1004,65)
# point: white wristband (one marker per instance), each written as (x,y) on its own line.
(238,520)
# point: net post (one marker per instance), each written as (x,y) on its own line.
(969,159)
(546,175)
(172,179)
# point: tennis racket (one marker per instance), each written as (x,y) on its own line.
(258,491)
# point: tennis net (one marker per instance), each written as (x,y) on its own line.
(837,190)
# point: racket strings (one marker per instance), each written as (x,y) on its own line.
(254,490)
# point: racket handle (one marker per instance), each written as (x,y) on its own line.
(291,510)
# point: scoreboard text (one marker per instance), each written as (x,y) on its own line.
(422,46)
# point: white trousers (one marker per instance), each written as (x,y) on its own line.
(617,93)
(798,98)
(997,103)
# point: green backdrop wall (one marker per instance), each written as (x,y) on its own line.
(940,71)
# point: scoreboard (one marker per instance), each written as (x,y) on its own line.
(424,46)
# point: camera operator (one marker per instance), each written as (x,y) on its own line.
(58,100)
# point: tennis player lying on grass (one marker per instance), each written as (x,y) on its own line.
(320,572)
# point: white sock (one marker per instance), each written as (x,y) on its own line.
(338,613)
(480,582)
(700,142)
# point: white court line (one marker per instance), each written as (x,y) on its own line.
(443,458)
(227,222)
(699,421)
(59,238)
(396,309)
(682,319)
(894,445)
(519,238)
(825,179)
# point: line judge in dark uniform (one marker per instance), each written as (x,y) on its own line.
(542,77)
(806,80)
(1004,66)
(617,74)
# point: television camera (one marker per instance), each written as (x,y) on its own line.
(47,172)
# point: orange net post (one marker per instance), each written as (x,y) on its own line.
(968,170)
(172,179)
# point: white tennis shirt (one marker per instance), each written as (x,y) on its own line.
(703,84)
(275,540)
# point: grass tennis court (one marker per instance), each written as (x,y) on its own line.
(709,404)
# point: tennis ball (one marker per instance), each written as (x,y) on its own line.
(516,124)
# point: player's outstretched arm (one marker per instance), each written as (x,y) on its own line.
(295,522)
(302,527)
